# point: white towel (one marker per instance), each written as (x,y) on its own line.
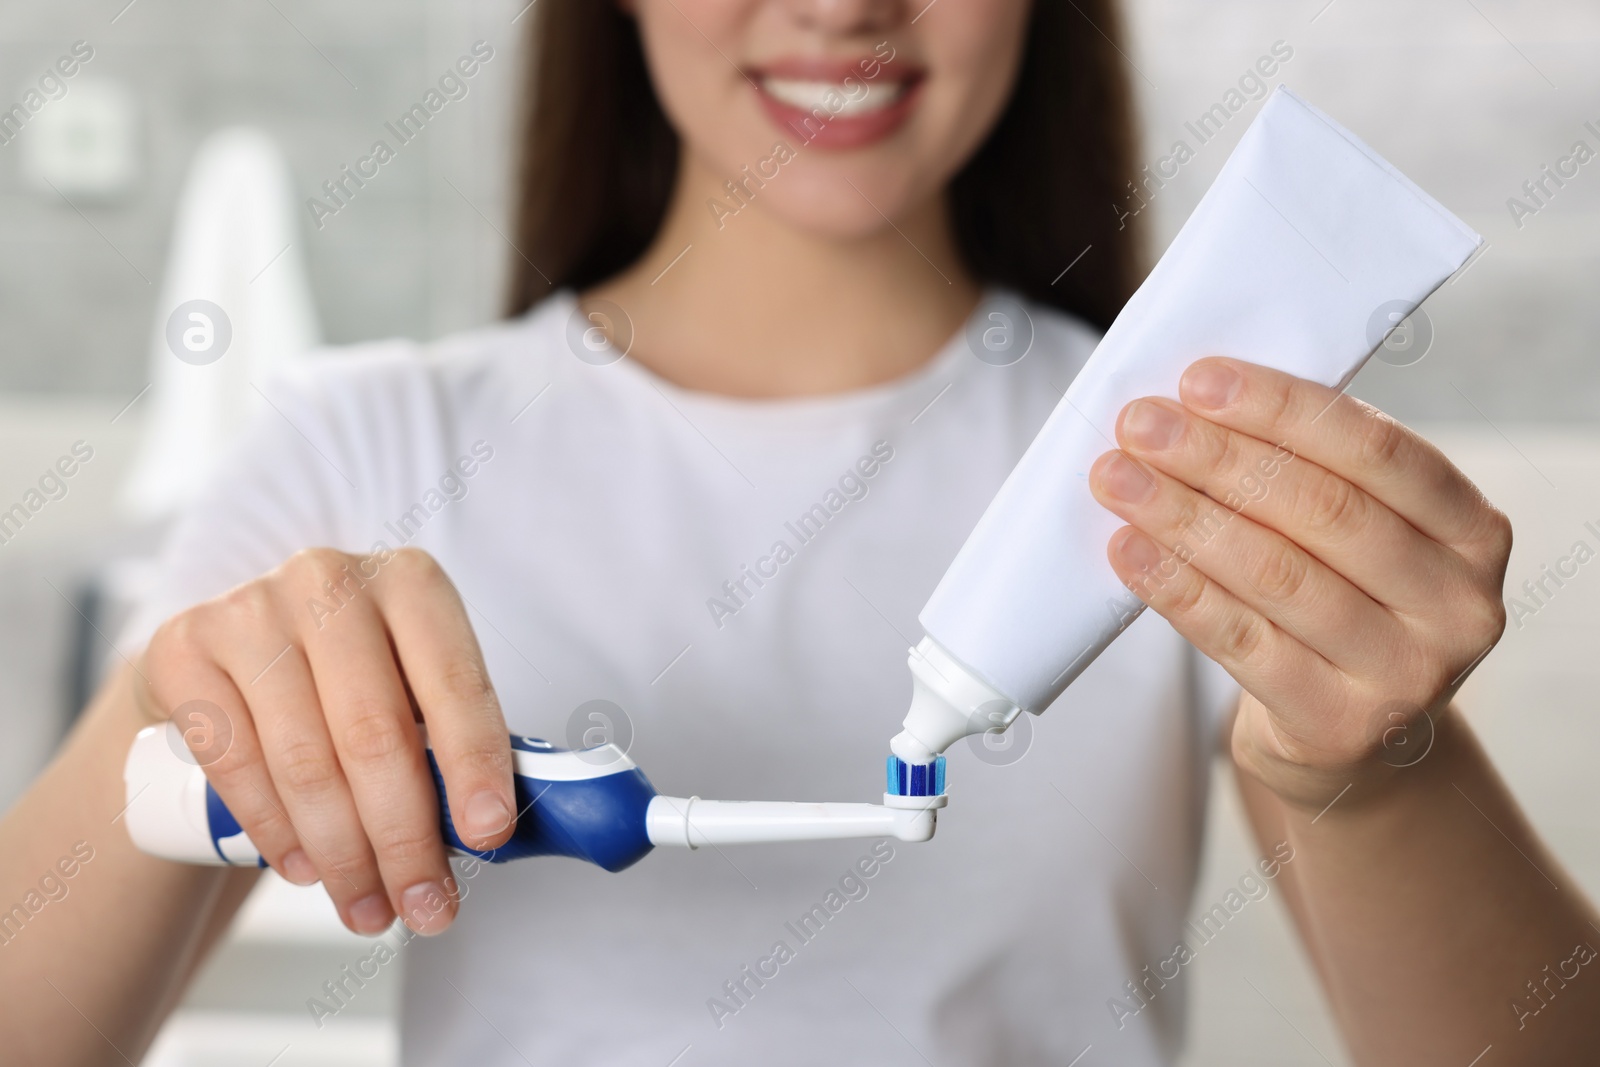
(236,243)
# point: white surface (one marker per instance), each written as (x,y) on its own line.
(1305,236)
(281,912)
(241,1039)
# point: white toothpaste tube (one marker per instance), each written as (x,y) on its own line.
(1303,255)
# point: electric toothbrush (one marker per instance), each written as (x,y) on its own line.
(594,804)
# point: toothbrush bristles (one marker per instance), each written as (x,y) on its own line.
(914,779)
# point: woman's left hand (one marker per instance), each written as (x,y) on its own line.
(1336,564)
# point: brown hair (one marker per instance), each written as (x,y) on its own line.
(599,160)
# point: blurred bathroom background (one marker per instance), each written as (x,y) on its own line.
(1472,98)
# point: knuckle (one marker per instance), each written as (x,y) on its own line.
(406,844)
(176,648)
(1379,439)
(239,762)
(251,604)
(1498,534)
(181,637)
(1197,521)
(307,767)
(416,564)
(351,870)
(313,566)
(267,827)
(1277,404)
(1486,622)
(1242,637)
(1281,572)
(467,682)
(1494,613)
(372,735)
(1185,593)
(1331,504)
(1228,454)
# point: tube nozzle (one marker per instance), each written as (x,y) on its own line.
(948,702)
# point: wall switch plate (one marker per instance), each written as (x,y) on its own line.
(86,144)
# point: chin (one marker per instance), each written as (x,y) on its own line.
(832,208)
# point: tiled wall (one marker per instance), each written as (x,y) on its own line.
(1470,98)
(1460,96)
(412,256)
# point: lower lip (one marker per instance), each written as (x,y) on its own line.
(840,131)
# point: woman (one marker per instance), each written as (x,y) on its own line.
(787,215)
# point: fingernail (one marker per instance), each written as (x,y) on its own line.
(1137,552)
(1211,385)
(486,814)
(297,867)
(1152,426)
(370,914)
(425,908)
(1126,482)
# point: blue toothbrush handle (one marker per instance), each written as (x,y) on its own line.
(590,805)
(599,819)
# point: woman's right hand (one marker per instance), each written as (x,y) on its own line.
(320,670)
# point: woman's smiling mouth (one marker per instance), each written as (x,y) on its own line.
(837,103)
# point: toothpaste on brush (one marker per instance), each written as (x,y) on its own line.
(1303,255)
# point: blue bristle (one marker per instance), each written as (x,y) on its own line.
(914,779)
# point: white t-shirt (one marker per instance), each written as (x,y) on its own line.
(607,513)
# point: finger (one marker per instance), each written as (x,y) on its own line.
(1269,663)
(1332,518)
(443,664)
(191,684)
(380,748)
(316,797)
(1349,438)
(1261,567)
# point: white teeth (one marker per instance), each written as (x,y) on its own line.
(858,98)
